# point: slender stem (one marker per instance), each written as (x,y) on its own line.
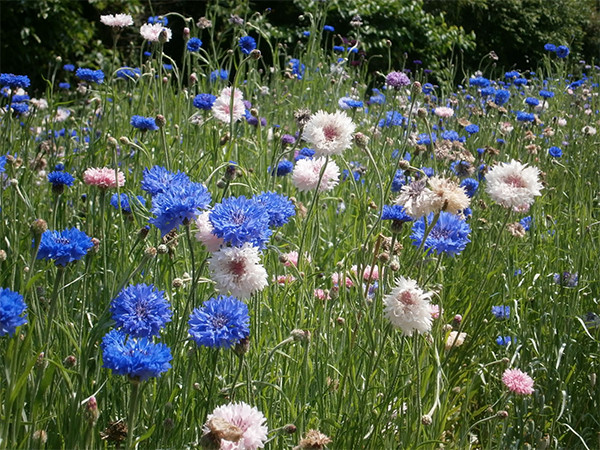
(60,271)
(237,376)
(133,407)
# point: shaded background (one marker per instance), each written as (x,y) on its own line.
(33,33)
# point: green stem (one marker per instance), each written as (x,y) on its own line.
(133,408)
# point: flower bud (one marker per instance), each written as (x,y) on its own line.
(160,120)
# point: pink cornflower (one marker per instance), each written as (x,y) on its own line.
(222,107)
(285,279)
(205,233)
(321,294)
(307,171)
(247,421)
(335,278)
(408,308)
(517,381)
(103,178)
(443,112)
(117,21)
(151,32)
(513,185)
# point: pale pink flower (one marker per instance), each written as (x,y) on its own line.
(151,32)
(103,178)
(435,311)
(291,259)
(513,185)
(224,110)
(238,270)
(205,233)
(443,112)
(417,199)
(321,294)
(517,381)
(249,420)
(307,172)
(285,279)
(329,134)
(408,308)
(336,277)
(455,339)
(117,21)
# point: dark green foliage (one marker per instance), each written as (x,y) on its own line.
(516,30)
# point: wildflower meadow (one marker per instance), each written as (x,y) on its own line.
(270,246)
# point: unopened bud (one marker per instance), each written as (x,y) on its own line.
(255,54)
(300,335)
(112,142)
(193,78)
(416,88)
(502,414)
(151,252)
(162,249)
(70,361)
(160,120)
(91,411)
(426,419)
(124,140)
(242,347)
(361,140)
(40,436)
(290,428)
(96,247)
(38,227)
(2,255)
(186,33)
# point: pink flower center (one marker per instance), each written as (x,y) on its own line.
(406,298)
(237,267)
(515,181)
(331,133)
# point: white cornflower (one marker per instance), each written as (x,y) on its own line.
(222,107)
(307,172)
(443,112)
(329,134)
(151,32)
(238,270)
(513,185)
(449,196)
(408,308)
(417,199)
(117,21)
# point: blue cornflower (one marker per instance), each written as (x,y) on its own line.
(396,213)
(550,47)
(523,116)
(69,68)
(194,44)
(158,179)
(501,97)
(179,203)
(138,359)
(532,101)
(472,128)
(64,246)
(20,98)
(451,135)
(220,323)
(526,222)
(279,208)
(505,340)
(297,68)
(219,74)
(567,279)
(450,234)
(60,179)
(555,152)
(400,179)
(128,73)
(204,101)
(64,85)
(427,88)
(14,81)
(239,220)
(562,51)
(2,163)
(377,98)
(19,107)
(305,152)
(428,171)
(283,168)
(328,28)
(348,102)
(546,94)
(479,81)
(126,202)
(141,310)
(488,91)
(158,19)
(520,82)
(143,123)
(168,66)
(247,44)
(392,118)
(426,138)
(470,185)
(89,75)
(501,312)
(512,74)
(306,33)
(12,308)
(338,48)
